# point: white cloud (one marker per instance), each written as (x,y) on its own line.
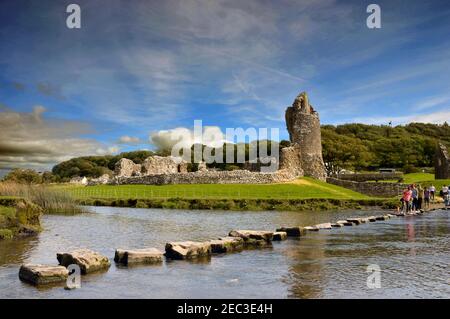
(184,138)
(129,140)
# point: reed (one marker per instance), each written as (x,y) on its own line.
(51,200)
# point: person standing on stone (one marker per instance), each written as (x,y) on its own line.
(406,200)
(415,197)
(426,197)
(432,191)
(420,198)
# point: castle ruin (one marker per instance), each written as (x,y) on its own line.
(302,158)
(442,162)
(303,125)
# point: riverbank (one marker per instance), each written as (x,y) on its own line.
(18,217)
(311,204)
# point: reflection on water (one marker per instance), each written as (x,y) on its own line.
(413,253)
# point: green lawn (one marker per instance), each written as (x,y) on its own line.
(304,188)
(425,180)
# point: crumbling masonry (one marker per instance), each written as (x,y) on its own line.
(442,162)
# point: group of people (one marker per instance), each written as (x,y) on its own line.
(415,198)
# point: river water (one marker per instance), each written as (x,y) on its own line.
(413,254)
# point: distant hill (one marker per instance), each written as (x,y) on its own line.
(366,147)
(350,146)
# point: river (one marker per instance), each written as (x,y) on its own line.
(413,254)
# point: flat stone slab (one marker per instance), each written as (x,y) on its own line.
(345,223)
(36,274)
(279,235)
(324,226)
(88,260)
(226,244)
(293,231)
(253,237)
(356,221)
(337,225)
(187,249)
(311,228)
(384,217)
(372,219)
(138,256)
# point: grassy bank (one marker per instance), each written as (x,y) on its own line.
(52,200)
(312,204)
(18,217)
(300,195)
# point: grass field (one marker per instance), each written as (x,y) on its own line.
(304,188)
(424,179)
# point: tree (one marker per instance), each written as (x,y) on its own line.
(23,176)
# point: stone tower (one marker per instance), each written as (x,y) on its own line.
(303,125)
(442,162)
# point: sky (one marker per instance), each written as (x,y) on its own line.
(137,69)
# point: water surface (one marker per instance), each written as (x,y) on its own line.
(412,252)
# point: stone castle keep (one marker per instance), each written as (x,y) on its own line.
(442,162)
(302,158)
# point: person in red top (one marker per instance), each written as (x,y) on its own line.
(406,199)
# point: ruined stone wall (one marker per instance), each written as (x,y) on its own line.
(127,168)
(442,162)
(159,165)
(364,177)
(290,159)
(303,125)
(210,177)
(368,188)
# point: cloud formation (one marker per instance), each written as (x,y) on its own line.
(30,140)
(129,140)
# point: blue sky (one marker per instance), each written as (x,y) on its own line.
(138,67)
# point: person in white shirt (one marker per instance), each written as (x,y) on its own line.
(432,191)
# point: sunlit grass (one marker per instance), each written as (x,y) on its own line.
(305,188)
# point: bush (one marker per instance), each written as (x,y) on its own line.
(23,176)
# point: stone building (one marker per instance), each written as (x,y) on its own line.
(442,162)
(303,125)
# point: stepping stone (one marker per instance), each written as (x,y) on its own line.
(324,226)
(187,250)
(311,228)
(293,231)
(226,244)
(390,215)
(356,221)
(36,274)
(253,237)
(138,256)
(336,225)
(371,219)
(88,260)
(382,217)
(279,235)
(345,223)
